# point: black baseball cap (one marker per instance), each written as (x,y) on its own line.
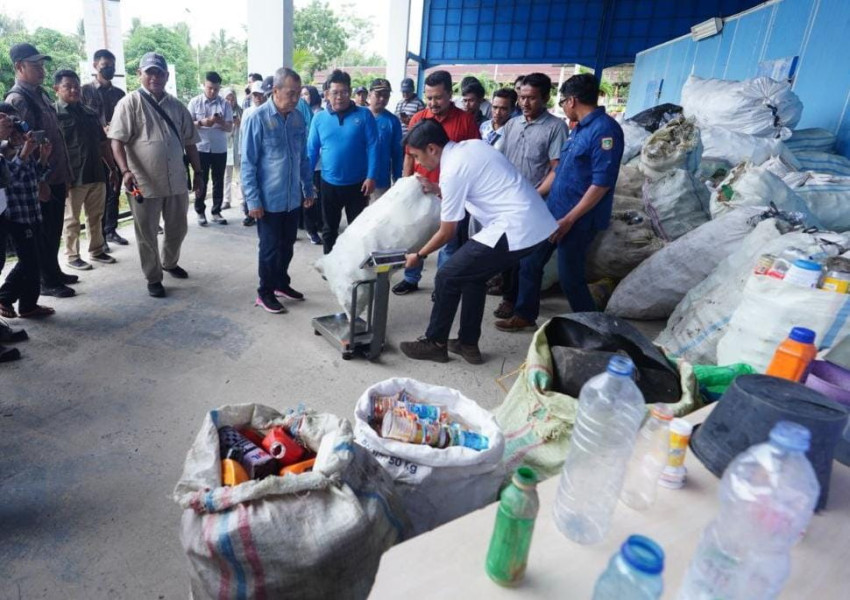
(26,52)
(268,84)
(360,89)
(152,60)
(407,85)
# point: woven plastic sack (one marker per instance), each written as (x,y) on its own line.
(824,162)
(633,138)
(314,535)
(677,203)
(733,147)
(538,422)
(628,241)
(653,290)
(768,310)
(436,485)
(403,218)
(812,140)
(828,198)
(677,145)
(760,106)
(749,185)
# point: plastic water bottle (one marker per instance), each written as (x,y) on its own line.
(507,555)
(610,411)
(634,573)
(767,497)
(648,460)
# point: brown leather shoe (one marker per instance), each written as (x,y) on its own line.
(515,323)
(469,352)
(425,349)
(505,310)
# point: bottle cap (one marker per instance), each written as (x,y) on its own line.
(802,335)
(791,436)
(681,427)
(525,478)
(807,265)
(621,365)
(661,411)
(643,554)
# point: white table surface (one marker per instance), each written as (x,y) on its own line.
(448,562)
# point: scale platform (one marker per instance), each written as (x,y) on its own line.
(364,336)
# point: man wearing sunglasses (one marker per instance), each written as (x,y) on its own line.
(581,200)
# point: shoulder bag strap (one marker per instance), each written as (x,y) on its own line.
(164,116)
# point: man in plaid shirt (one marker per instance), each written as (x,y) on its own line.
(23,220)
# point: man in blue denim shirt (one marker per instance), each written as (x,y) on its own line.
(581,199)
(275,174)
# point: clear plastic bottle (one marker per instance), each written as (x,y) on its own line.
(648,460)
(767,497)
(634,573)
(610,411)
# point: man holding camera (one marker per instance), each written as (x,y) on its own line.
(34,106)
(214,119)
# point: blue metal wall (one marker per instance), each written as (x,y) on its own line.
(817,31)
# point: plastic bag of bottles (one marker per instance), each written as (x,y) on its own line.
(446,463)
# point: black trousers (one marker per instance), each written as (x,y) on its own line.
(110,209)
(52,222)
(313,215)
(22,285)
(464,277)
(277,233)
(335,198)
(214,162)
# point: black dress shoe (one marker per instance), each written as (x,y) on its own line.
(177,271)
(9,335)
(60,291)
(69,279)
(156,290)
(9,354)
(116,239)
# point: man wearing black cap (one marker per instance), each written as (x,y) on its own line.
(410,105)
(360,95)
(150,132)
(34,107)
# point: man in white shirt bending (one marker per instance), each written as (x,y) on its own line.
(474,178)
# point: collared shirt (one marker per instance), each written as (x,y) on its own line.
(214,137)
(459,126)
(22,191)
(348,143)
(154,154)
(532,145)
(275,167)
(102,99)
(494,137)
(408,108)
(478,179)
(234,139)
(390,157)
(83,135)
(591,156)
(43,117)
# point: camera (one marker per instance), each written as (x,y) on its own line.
(19,124)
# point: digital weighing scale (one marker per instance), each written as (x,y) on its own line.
(366,337)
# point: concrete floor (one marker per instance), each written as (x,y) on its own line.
(95,421)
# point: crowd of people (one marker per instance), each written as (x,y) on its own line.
(516,185)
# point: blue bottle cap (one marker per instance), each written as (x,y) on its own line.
(621,365)
(802,335)
(643,554)
(791,436)
(807,265)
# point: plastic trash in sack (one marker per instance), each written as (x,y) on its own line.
(677,145)
(676,202)
(653,118)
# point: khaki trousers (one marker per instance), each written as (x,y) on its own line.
(92,198)
(146,220)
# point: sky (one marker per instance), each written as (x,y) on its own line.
(204,17)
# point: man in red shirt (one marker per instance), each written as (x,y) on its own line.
(459,126)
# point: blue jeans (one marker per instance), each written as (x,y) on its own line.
(572,256)
(277,232)
(415,274)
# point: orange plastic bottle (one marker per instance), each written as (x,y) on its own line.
(794,356)
(232,472)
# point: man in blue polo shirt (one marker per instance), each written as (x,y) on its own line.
(347,138)
(276,174)
(390,156)
(581,200)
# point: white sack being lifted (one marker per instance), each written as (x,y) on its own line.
(404,217)
(653,290)
(677,145)
(761,106)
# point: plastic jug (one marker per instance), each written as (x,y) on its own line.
(794,356)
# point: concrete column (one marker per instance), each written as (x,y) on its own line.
(397,38)
(269,36)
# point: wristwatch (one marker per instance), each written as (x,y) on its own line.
(421,256)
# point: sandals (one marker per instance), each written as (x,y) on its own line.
(7,311)
(38,311)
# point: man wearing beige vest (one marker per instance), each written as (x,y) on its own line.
(150,132)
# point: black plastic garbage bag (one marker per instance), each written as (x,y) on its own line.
(656,117)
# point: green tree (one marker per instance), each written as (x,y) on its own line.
(227,57)
(172,43)
(318,30)
(65,50)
